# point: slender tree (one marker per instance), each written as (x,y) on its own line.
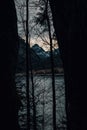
(34,105)
(27,66)
(33,89)
(52,67)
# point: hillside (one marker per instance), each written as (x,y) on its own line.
(40,58)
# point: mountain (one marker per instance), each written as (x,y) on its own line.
(21,65)
(39,51)
(40,58)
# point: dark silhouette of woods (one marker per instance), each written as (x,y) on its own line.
(8,60)
(70,25)
(70,22)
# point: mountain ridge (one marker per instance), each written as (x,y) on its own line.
(40,58)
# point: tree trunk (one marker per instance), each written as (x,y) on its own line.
(71,29)
(8,57)
(33,91)
(52,69)
(27,66)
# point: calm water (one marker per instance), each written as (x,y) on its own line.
(43,100)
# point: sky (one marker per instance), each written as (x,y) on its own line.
(34,29)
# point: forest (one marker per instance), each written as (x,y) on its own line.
(52,101)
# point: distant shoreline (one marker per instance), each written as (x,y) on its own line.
(38,74)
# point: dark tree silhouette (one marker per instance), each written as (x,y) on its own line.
(53,74)
(8,60)
(70,24)
(27,66)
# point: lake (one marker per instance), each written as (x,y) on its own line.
(43,100)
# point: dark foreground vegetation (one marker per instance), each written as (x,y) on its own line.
(70,23)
